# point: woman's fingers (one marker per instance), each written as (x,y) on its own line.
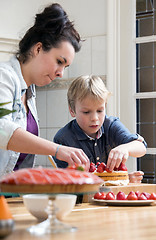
(73,156)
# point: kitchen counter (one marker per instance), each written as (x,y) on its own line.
(93,222)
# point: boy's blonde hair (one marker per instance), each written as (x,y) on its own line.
(87,86)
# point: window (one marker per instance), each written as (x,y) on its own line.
(146,84)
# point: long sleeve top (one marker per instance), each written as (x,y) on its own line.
(12,87)
(111,134)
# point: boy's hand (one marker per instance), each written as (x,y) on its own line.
(136,177)
(116,156)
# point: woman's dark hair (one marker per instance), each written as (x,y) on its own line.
(51,27)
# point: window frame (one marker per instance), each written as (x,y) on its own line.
(121,42)
(146,95)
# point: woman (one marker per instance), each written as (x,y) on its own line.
(46,49)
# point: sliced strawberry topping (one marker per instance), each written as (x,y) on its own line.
(122,167)
(101,167)
(92,167)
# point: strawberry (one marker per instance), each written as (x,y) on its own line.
(101,167)
(113,194)
(97,195)
(153,196)
(115,169)
(121,196)
(100,195)
(77,167)
(110,196)
(132,196)
(122,167)
(92,164)
(137,193)
(107,169)
(97,164)
(92,167)
(147,195)
(142,197)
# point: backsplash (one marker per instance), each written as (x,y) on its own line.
(61,84)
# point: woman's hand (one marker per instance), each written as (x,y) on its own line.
(73,155)
(116,156)
(136,176)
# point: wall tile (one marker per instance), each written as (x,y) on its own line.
(41,107)
(57,108)
(99,55)
(82,62)
(4,56)
(66,73)
(51,133)
(42,159)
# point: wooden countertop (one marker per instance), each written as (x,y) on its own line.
(93,222)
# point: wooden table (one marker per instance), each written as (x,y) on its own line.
(94,222)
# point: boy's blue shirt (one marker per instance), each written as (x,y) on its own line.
(113,131)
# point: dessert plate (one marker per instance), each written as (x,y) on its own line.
(125,202)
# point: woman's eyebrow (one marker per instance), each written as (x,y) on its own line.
(65,60)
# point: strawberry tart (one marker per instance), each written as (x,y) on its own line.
(48,180)
(116,177)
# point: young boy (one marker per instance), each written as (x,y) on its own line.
(102,138)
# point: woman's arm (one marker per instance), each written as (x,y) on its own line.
(25,142)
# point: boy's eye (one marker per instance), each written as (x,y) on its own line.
(85,112)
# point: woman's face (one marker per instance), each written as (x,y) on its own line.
(44,67)
(90,115)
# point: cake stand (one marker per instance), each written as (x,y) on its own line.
(51,225)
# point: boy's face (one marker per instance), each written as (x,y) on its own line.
(90,115)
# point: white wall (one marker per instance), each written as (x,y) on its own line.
(90,20)
(17,15)
(108,27)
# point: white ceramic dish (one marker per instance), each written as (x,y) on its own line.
(125,202)
(36,204)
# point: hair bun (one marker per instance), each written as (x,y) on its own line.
(53,17)
(51,27)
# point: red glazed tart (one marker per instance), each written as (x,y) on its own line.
(48,180)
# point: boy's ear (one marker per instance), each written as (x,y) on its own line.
(72,113)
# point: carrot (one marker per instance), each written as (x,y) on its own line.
(4,209)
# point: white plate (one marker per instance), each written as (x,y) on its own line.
(125,202)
